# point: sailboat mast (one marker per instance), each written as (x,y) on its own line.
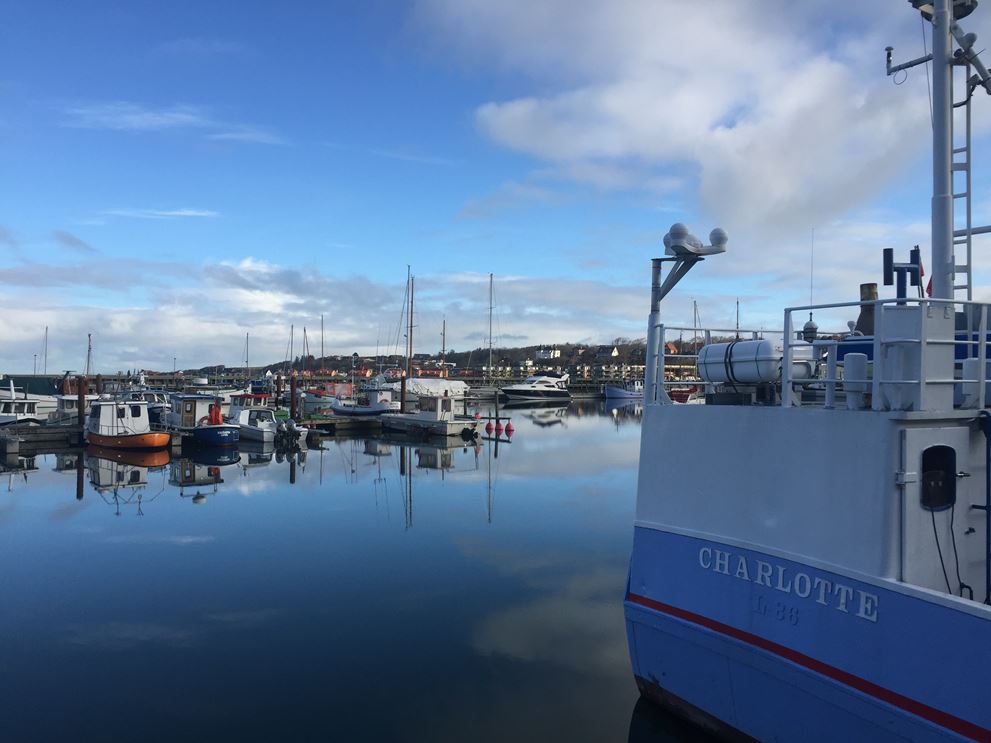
(46,351)
(89,352)
(247,366)
(443,341)
(292,337)
(489,374)
(321,339)
(409,357)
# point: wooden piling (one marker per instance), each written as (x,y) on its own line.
(82,387)
(293,401)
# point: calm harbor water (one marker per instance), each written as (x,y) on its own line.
(365,591)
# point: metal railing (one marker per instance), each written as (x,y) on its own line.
(885,373)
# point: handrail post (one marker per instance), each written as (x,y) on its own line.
(831,354)
(982,345)
(878,366)
(786,391)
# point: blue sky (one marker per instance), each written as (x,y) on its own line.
(178,175)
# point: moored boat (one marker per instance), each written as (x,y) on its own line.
(545,385)
(119,424)
(256,421)
(66,411)
(830,579)
(199,417)
(631,390)
(435,417)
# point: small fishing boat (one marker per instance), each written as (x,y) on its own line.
(436,417)
(545,385)
(254,417)
(199,417)
(19,411)
(158,402)
(631,390)
(116,424)
(66,411)
(373,402)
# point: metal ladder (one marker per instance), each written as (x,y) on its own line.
(965,235)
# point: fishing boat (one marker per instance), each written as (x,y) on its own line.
(631,390)
(66,411)
(830,578)
(19,411)
(199,417)
(21,407)
(119,424)
(254,417)
(371,402)
(158,401)
(435,417)
(544,385)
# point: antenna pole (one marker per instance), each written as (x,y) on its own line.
(943,268)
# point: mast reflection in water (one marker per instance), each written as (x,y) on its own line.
(297,603)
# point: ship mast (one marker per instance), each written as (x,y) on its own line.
(943,14)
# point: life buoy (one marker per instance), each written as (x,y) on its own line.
(204,419)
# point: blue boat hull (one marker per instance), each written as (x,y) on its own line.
(745,642)
(221,435)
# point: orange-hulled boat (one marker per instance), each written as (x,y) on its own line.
(123,424)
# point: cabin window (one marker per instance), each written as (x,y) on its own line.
(19,408)
(939,478)
(121,411)
(446,405)
(94,412)
(189,407)
(135,411)
(6,407)
(70,404)
(135,477)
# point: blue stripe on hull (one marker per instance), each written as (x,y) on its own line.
(792,664)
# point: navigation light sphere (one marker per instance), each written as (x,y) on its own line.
(718,238)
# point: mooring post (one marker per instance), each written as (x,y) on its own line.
(82,387)
(402,393)
(292,397)
(79,476)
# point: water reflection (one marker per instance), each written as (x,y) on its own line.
(494,601)
(120,477)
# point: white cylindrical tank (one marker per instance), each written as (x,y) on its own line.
(855,381)
(743,362)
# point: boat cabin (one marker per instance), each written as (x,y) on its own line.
(436,408)
(253,402)
(118,418)
(67,409)
(187,410)
(18,411)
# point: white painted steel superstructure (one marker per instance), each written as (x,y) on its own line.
(828,576)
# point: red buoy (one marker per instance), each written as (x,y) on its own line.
(498,428)
(509,429)
(488,427)
(478,416)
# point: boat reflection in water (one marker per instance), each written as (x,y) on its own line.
(120,476)
(200,467)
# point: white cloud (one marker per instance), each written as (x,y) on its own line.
(160,213)
(126,116)
(137,117)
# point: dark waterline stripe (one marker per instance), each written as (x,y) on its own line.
(937,716)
